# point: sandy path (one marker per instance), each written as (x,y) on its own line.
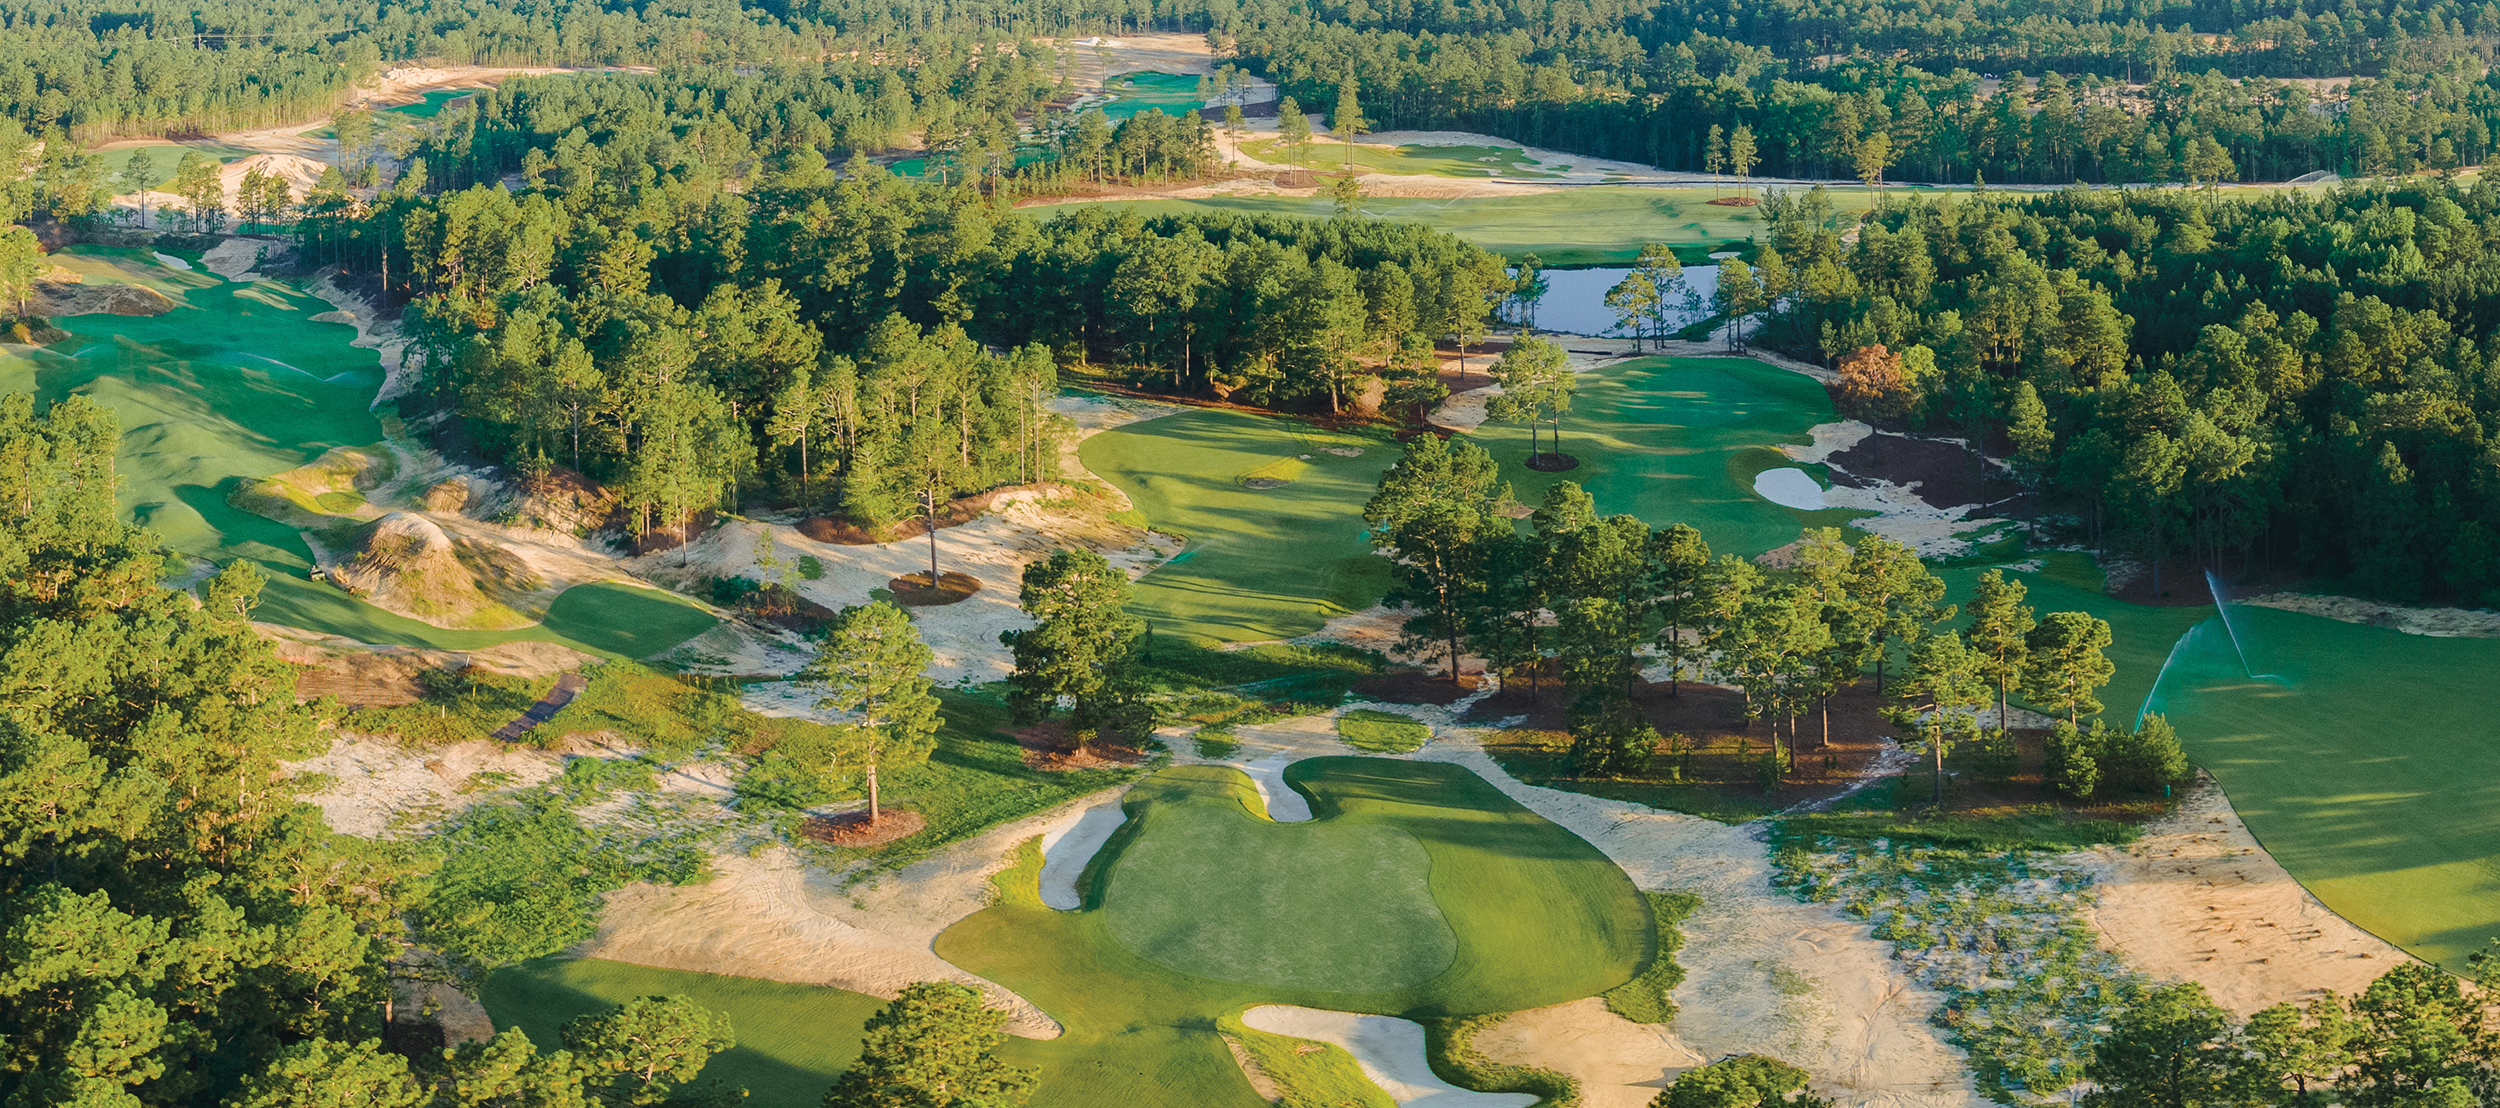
(2198,899)
(2437,623)
(1620,1064)
(776,917)
(1067,850)
(1390,1050)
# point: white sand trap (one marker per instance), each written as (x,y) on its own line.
(171,262)
(1829,439)
(1390,1050)
(1067,850)
(1268,776)
(1789,488)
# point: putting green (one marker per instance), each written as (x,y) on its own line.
(1212,889)
(1679,440)
(793,1040)
(2361,757)
(1264,561)
(238,382)
(1593,225)
(1139,93)
(1536,916)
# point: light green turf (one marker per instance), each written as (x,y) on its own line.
(238,382)
(1382,732)
(1595,225)
(1209,888)
(1679,440)
(1260,564)
(793,1040)
(1539,917)
(1139,93)
(431,104)
(164,156)
(2366,760)
(1429,161)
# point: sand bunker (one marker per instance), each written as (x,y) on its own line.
(372,333)
(2438,623)
(1066,851)
(1619,1063)
(2197,899)
(773,916)
(1829,439)
(1390,1050)
(1789,488)
(378,788)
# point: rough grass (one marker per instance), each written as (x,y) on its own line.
(1432,161)
(1648,998)
(793,1040)
(1308,1074)
(1540,918)
(615,618)
(1382,732)
(1261,563)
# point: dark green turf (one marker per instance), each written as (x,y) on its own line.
(793,1040)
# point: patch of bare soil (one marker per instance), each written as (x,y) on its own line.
(658,539)
(915,590)
(1553,463)
(1944,474)
(1418,687)
(954,513)
(54,298)
(1736,201)
(2198,899)
(364,680)
(853,829)
(1049,746)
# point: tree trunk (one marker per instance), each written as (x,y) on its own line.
(1935,745)
(873,813)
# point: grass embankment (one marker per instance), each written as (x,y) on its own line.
(793,1040)
(1535,916)
(1382,732)
(1266,562)
(237,384)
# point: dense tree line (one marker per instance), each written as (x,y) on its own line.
(694,322)
(1596,598)
(2296,379)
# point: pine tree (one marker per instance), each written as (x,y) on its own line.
(1083,645)
(935,1045)
(869,668)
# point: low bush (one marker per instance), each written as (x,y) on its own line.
(1647,998)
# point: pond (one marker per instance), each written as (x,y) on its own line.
(1575,299)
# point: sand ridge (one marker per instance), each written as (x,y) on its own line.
(2197,898)
(1390,1050)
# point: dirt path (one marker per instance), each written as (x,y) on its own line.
(567,687)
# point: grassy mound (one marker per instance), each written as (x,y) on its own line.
(625,619)
(1266,562)
(405,564)
(1384,732)
(1213,887)
(1538,917)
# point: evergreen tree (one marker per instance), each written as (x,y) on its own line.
(870,670)
(1083,645)
(935,1046)
(2067,665)
(1999,629)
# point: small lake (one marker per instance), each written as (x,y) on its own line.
(1575,299)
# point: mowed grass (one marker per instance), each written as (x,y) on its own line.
(2365,759)
(1432,161)
(1260,563)
(239,382)
(1138,93)
(1679,440)
(1211,886)
(1591,225)
(1382,732)
(1538,917)
(162,158)
(793,1040)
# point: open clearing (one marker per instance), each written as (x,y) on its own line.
(1273,520)
(1679,440)
(1537,915)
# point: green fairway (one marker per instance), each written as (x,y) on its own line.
(431,104)
(162,158)
(1679,440)
(1432,161)
(1594,225)
(793,1040)
(238,382)
(1138,93)
(1535,915)
(1262,562)
(2362,758)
